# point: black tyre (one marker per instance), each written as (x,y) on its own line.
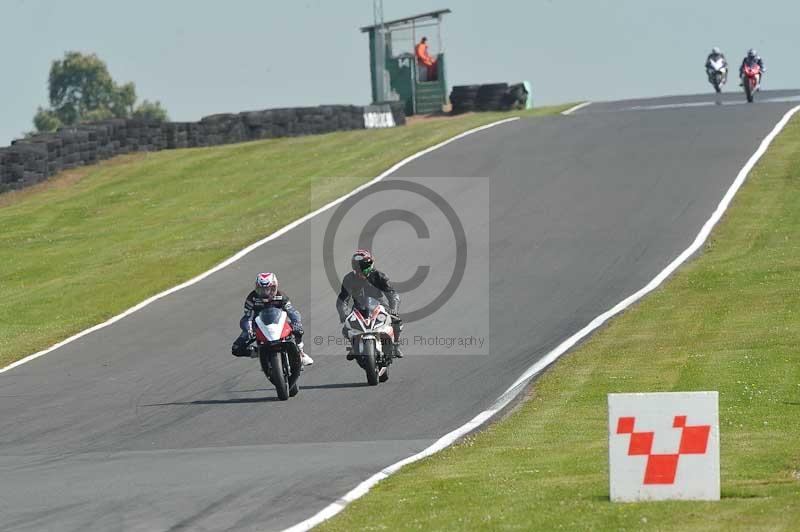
(462,98)
(717,81)
(293,390)
(483,98)
(748,90)
(463,95)
(466,88)
(279,376)
(490,105)
(370,367)
(490,94)
(508,102)
(463,106)
(494,87)
(383,377)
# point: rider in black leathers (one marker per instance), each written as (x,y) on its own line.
(266,294)
(365,281)
(752,58)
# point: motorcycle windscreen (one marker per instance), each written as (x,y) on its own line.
(365,305)
(275,323)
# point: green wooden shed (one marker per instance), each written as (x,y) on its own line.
(395,72)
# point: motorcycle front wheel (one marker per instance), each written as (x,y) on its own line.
(748,90)
(278,376)
(369,362)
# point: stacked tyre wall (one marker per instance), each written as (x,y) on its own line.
(34,159)
(488,97)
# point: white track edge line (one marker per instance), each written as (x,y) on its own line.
(519,385)
(575,108)
(251,247)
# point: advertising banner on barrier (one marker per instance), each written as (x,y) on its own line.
(378,116)
(663,446)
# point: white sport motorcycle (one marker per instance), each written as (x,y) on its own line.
(369,329)
(717,71)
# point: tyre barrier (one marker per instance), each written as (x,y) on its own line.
(32,160)
(488,97)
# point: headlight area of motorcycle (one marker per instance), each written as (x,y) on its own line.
(356,324)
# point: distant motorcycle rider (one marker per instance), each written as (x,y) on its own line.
(363,282)
(715,55)
(752,58)
(266,294)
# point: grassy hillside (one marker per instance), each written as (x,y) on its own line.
(95,241)
(728,321)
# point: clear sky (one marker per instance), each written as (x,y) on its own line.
(200,57)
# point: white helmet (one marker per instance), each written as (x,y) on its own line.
(267,285)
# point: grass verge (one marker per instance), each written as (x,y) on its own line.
(728,321)
(89,244)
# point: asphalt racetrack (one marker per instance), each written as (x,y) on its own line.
(149,424)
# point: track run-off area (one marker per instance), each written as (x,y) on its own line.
(150,424)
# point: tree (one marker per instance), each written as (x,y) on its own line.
(148,110)
(122,100)
(81,89)
(79,84)
(46,120)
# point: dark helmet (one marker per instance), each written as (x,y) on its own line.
(751,53)
(363,263)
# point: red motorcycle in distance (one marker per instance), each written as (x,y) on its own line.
(751,80)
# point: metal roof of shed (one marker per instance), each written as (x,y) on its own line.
(407,20)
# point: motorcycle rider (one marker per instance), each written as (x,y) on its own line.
(265,294)
(752,58)
(715,55)
(365,281)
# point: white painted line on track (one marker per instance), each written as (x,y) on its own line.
(717,103)
(251,247)
(575,108)
(519,385)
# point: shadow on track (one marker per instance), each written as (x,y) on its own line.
(268,399)
(220,401)
(334,386)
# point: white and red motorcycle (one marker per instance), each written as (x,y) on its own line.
(717,71)
(369,329)
(278,351)
(751,80)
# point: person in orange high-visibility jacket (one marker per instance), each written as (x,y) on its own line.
(423,57)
